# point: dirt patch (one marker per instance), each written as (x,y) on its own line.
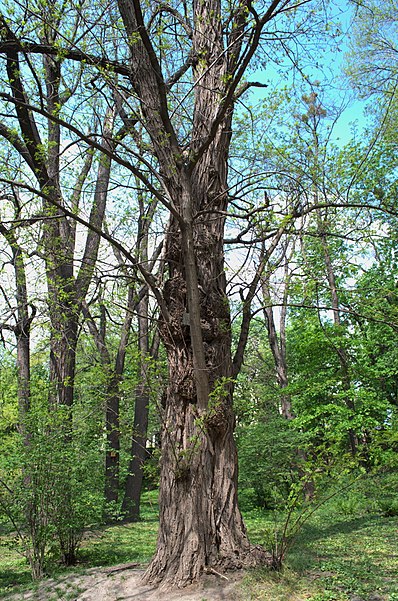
(124,584)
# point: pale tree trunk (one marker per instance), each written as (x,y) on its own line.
(34,517)
(315,114)
(65,292)
(277,343)
(21,330)
(340,350)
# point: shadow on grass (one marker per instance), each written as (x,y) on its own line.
(355,556)
(10,579)
(303,555)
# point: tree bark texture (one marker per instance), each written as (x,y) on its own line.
(200,523)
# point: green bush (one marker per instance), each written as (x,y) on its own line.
(50,487)
(269,461)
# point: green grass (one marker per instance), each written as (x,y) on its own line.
(121,543)
(346,551)
(125,542)
(339,555)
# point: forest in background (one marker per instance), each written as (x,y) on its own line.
(166,245)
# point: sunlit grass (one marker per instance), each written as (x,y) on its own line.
(336,556)
(333,558)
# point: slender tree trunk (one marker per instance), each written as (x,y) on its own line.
(315,114)
(340,350)
(133,487)
(21,330)
(278,350)
(112,398)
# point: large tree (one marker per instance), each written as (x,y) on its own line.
(183,69)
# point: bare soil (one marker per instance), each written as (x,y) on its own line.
(123,583)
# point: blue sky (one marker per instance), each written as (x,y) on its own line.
(324,63)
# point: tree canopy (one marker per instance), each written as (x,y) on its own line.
(191,266)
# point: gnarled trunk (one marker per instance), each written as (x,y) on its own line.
(200,524)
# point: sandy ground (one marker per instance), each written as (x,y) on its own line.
(123,583)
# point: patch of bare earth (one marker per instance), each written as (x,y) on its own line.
(123,583)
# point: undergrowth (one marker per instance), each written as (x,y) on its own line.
(346,551)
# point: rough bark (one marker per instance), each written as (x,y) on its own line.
(200,523)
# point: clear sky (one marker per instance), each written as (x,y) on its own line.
(323,60)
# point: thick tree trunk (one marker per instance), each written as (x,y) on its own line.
(200,524)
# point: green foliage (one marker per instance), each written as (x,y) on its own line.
(99,547)
(50,483)
(269,462)
(334,556)
(151,470)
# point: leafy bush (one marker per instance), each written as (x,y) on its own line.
(270,461)
(50,486)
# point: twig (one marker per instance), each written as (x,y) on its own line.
(127,566)
(213,571)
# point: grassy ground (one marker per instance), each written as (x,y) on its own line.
(347,551)
(347,559)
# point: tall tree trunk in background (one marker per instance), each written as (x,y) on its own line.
(65,291)
(21,330)
(112,410)
(313,117)
(277,342)
(133,486)
(112,397)
(340,350)
(35,520)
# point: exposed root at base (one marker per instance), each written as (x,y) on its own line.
(172,577)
